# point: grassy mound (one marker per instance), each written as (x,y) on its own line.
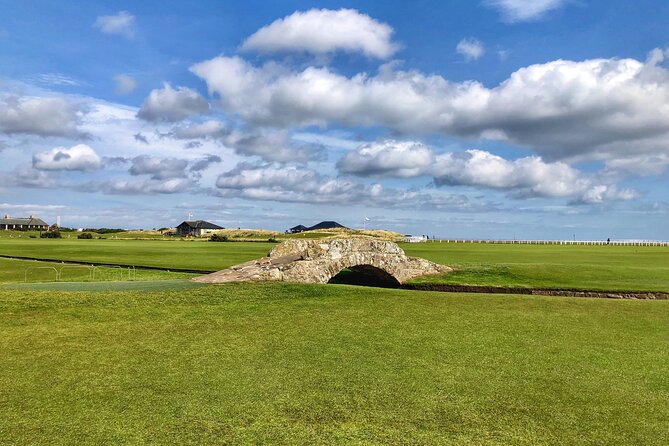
(333,233)
(250,234)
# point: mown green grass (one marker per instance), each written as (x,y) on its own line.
(169,254)
(163,284)
(289,364)
(15,271)
(549,266)
(627,268)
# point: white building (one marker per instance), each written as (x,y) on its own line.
(408,238)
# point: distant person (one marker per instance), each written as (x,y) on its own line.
(608,241)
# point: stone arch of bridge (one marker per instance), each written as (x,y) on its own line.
(365,275)
(361,271)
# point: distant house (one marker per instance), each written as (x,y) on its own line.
(297,229)
(327,225)
(321,225)
(408,238)
(30,223)
(196,228)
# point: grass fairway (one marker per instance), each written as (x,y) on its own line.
(549,266)
(289,364)
(629,268)
(199,255)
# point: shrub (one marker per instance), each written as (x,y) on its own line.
(218,238)
(272,240)
(85,235)
(51,234)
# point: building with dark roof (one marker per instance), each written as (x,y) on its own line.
(31,223)
(196,228)
(322,225)
(297,229)
(327,225)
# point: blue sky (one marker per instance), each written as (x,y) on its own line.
(466,119)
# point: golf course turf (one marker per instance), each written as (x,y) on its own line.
(161,253)
(166,361)
(329,364)
(627,268)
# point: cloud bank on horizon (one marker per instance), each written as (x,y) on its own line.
(321,109)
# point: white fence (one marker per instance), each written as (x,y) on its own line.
(104,272)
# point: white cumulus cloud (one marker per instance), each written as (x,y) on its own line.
(80,158)
(268,144)
(523,177)
(122,24)
(40,116)
(601,193)
(388,158)
(195,130)
(525,10)
(528,176)
(324,31)
(274,146)
(171,105)
(302,185)
(649,164)
(124,84)
(470,48)
(158,168)
(141,187)
(593,109)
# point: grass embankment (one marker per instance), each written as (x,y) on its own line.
(254,235)
(240,235)
(289,364)
(628,268)
(330,233)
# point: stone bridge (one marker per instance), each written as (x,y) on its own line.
(318,261)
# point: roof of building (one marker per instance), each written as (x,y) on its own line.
(327,225)
(201,224)
(29,221)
